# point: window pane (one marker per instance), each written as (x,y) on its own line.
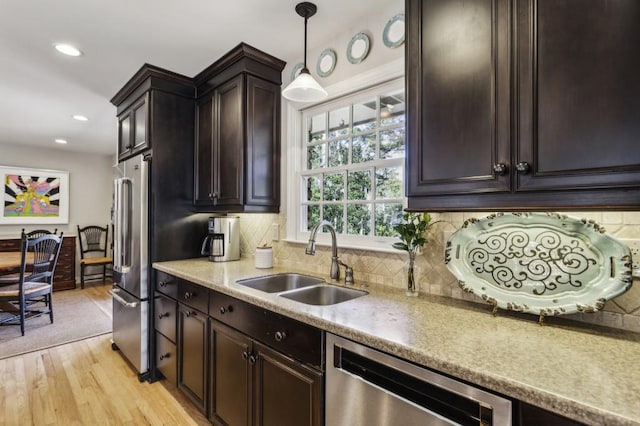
(364,148)
(334,187)
(392,143)
(387,216)
(312,183)
(392,108)
(312,216)
(333,213)
(339,153)
(318,127)
(389,182)
(339,122)
(359,185)
(359,219)
(364,116)
(315,156)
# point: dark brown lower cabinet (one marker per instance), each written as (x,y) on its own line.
(530,415)
(252,384)
(192,354)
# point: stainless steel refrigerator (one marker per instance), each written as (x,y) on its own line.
(153,220)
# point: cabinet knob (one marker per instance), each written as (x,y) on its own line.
(245,355)
(224,310)
(213,195)
(190,314)
(163,356)
(500,169)
(523,167)
(253,359)
(163,283)
(162,315)
(188,295)
(280,336)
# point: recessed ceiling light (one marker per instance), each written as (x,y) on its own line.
(80,117)
(67,49)
(61,141)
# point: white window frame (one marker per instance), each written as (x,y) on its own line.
(391,74)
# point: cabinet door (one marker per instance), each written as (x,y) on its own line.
(230,351)
(203,191)
(286,392)
(579,94)
(228,143)
(263,144)
(124,133)
(140,132)
(192,354)
(458,75)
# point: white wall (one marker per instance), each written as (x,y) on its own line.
(90,185)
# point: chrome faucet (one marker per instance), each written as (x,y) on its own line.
(334,273)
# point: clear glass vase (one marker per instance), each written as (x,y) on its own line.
(412,287)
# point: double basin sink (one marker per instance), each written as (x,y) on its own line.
(302,288)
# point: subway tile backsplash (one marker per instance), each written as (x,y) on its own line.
(433,276)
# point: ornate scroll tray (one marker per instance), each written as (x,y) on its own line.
(539,263)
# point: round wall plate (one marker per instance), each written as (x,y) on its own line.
(358,48)
(393,33)
(296,70)
(326,62)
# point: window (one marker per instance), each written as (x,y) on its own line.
(351,169)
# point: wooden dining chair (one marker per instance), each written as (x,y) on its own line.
(31,296)
(11,277)
(94,244)
(38,233)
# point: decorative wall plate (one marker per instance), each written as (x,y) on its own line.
(539,263)
(296,70)
(326,62)
(358,48)
(393,33)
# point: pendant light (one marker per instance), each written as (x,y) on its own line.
(304,88)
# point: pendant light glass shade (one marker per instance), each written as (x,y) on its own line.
(304,88)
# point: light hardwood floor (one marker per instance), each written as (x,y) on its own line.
(85,383)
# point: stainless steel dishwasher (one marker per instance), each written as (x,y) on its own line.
(368,387)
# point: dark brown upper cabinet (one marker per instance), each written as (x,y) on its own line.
(153,107)
(522,104)
(238,133)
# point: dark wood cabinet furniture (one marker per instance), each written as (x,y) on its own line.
(193,304)
(154,108)
(238,133)
(530,415)
(238,363)
(65,273)
(522,104)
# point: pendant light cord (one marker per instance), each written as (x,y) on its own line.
(305,41)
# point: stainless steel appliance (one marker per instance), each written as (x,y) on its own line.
(152,221)
(222,244)
(368,387)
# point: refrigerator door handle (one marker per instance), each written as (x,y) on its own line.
(121,300)
(122,225)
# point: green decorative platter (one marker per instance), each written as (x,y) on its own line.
(539,263)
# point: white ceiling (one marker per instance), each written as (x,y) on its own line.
(41,89)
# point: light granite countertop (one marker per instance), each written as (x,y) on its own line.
(587,374)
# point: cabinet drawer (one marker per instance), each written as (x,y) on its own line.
(193,295)
(166,358)
(167,284)
(288,336)
(165,320)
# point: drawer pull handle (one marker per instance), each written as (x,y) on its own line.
(188,295)
(190,314)
(163,284)
(224,310)
(163,315)
(280,336)
(164,356)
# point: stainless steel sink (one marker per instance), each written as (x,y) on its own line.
(280,282)
(323,295)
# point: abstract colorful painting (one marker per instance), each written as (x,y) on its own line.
(34,196)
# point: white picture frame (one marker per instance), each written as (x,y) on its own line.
(34,196)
